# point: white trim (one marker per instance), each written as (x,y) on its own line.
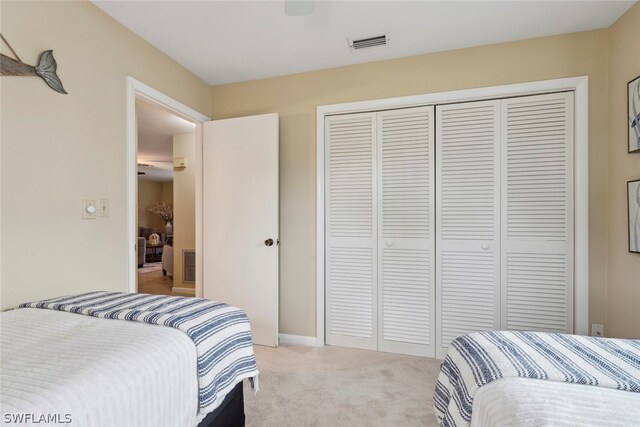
(320,227)
(199,213)
(580,87)
(157,97)
(137,88)
(581,207)
(297,340)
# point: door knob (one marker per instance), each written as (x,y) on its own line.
(268,242)
(485,246)
(389,243)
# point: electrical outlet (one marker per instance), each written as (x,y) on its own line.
(597,330)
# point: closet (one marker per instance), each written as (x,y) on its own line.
(448,219)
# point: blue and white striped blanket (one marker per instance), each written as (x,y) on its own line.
(220,332)
(479,358)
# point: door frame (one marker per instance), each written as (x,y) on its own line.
(579,85)
(136,88)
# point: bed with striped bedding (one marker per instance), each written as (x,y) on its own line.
(478,359)
(220,332)
(219,337)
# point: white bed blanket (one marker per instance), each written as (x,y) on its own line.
(96,372)
(531,402)
(478,359)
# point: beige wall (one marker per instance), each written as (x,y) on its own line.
(150,193)
(296,97)
(623,290)
(167,192)
(59,149)
(184,203)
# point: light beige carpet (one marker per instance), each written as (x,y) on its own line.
(332,386)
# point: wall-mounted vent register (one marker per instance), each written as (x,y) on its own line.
(368,42)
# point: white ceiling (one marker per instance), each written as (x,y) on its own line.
(156,128)
(231,41)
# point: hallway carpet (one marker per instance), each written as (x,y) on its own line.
(334,387)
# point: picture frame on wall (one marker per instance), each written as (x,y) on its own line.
(633,113)
(633,201)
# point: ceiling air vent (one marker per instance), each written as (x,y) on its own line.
(368,42)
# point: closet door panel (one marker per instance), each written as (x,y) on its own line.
(351,232)
(537,230)
(405,231)
(467,219)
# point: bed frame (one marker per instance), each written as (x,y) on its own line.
(230,413)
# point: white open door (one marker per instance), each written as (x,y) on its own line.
(240,219)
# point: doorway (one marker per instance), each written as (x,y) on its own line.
(235,146)
(165,202)
(148,103)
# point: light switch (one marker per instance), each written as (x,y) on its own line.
(89,209)
(103,208)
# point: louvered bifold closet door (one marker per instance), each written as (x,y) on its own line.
(537,212)
(405,231)
(467,220)
(351,209)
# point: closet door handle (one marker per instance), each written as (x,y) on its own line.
(485,246)
(388,243)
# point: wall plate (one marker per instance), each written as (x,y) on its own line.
(104,208)
(89,209)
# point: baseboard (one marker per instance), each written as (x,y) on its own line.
(186,291)
(297,340)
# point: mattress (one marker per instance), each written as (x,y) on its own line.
(95,372)
(534,402)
